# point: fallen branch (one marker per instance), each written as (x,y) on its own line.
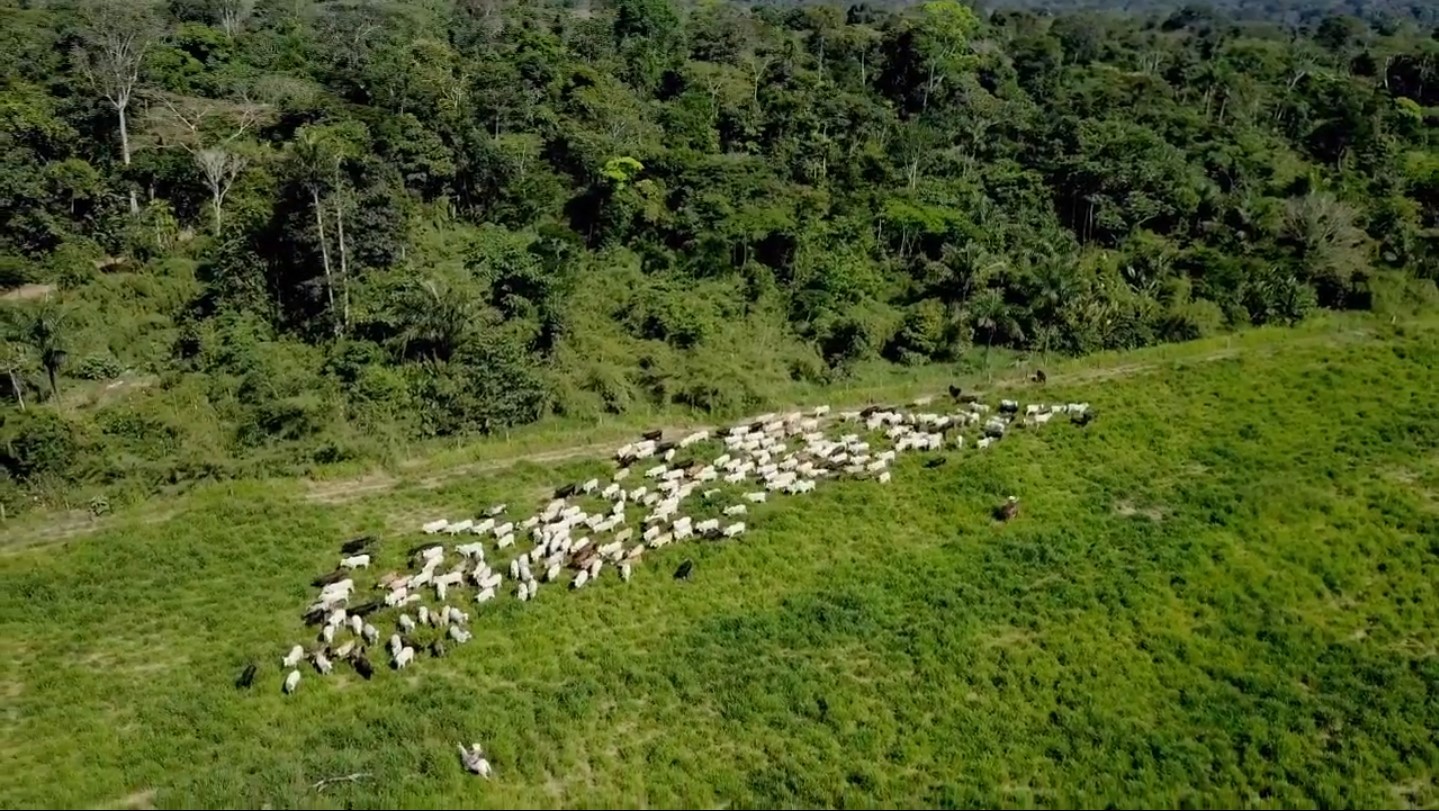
(349,778)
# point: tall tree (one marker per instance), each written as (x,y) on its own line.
(117,34)
(210,132)
(945,28)
(233,14)
(317,159)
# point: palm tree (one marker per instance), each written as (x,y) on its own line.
(44,331)
(434,321)
(1054,285)
(989,314)
(970,265)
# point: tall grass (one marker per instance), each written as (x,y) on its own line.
(1219,594)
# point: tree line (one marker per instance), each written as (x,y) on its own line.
(262,234)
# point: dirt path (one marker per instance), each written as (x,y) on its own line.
(347,490)
(344,490)
(74,523)
(63,526)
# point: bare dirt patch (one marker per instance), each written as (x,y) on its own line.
(1416,793)
(1127,510)
(141,800)
(28,292)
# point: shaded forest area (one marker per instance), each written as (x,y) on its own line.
(251,236)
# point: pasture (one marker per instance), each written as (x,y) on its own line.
(1221,593)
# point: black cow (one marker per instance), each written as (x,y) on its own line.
(247,678)
(366,609)
(354,545)
(1007,510)
(327,579)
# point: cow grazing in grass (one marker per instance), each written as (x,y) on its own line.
(247,677)
(363,666)
(1009,509)
(355,545)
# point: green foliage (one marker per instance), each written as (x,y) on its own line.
(487,386)
(329,230)
(35,444)
(620,171)
(98,367)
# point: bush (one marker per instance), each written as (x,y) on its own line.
(98,367)
(1193,320)
(926,334)
(37,443)
(15,271)
(72,265)
(485,388)
(1276,297)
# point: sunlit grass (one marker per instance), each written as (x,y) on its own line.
(1219,594)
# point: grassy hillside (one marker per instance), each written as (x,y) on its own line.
(1221,593)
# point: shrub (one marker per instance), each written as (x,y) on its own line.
(37,443)
(486,387)
(926,334)
(1192,320)
(98,367)
(15,271)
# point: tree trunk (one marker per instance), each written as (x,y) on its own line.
(19,393)
(324,251)
(344,261)
(54,384)
(125,152)
(216,199)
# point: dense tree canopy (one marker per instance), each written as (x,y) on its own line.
(319,228)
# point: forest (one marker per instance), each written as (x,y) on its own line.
(243,237)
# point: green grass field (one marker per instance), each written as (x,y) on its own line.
(1220,594)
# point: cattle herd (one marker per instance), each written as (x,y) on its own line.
(699,487)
